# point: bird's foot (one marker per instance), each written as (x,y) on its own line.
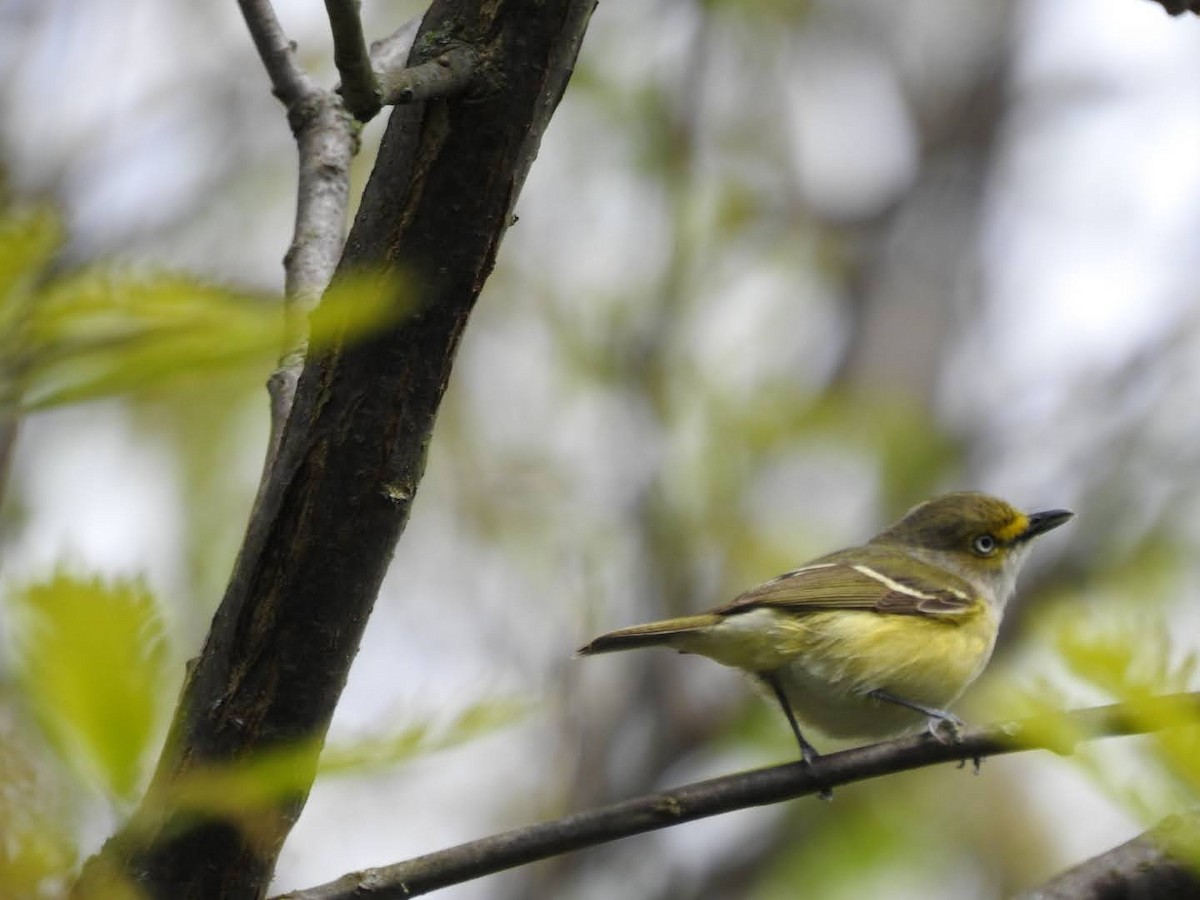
(943,726)
(946,728)
(976,762)
(809,755)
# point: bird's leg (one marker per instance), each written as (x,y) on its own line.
(807,751)
(937,718)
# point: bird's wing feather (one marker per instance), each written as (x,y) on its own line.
(843,584)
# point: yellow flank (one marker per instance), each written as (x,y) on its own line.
(1014,529)
(926,660)
(851,646)
(828,661)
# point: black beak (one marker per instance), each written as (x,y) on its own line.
(1041,522)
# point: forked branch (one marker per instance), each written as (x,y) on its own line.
(360,88)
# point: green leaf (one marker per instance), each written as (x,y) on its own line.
(36,848)
(419,738)
(1106,645)
(101,331)
(28,240)
(358,305)
(251,789)
(92,660)
(246,788)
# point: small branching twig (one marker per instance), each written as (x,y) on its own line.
(379,77)
(359,87)
(442,76)
(278,54)
(755,788)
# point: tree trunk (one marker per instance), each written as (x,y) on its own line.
(352,454)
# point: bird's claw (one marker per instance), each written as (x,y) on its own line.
(809,755)
(945,728)
(976,762)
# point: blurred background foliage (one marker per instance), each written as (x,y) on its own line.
(780,271)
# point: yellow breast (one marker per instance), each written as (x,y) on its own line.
(828,661)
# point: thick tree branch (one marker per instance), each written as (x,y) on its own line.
(1146,866)
(350,459)
(756,788)
(359,88)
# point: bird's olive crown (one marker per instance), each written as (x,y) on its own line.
(967,522)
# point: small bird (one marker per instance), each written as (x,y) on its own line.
(870,641)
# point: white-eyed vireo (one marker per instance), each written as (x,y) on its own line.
(866,642)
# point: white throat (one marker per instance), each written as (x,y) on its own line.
(997,586)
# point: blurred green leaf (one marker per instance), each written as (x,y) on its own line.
(248,789)
(1111,640)
(92,660)
(103,331)
(420,738)
(35,849)
(358,305)
(28,240)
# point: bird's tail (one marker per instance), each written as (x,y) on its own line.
(655,634)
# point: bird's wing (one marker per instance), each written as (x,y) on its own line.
(852,584)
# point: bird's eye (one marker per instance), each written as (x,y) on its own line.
(984,544)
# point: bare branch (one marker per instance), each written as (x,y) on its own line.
(1143,867)
(325,142)
(278,54)
(755,788)
(442,76)
(359,88)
